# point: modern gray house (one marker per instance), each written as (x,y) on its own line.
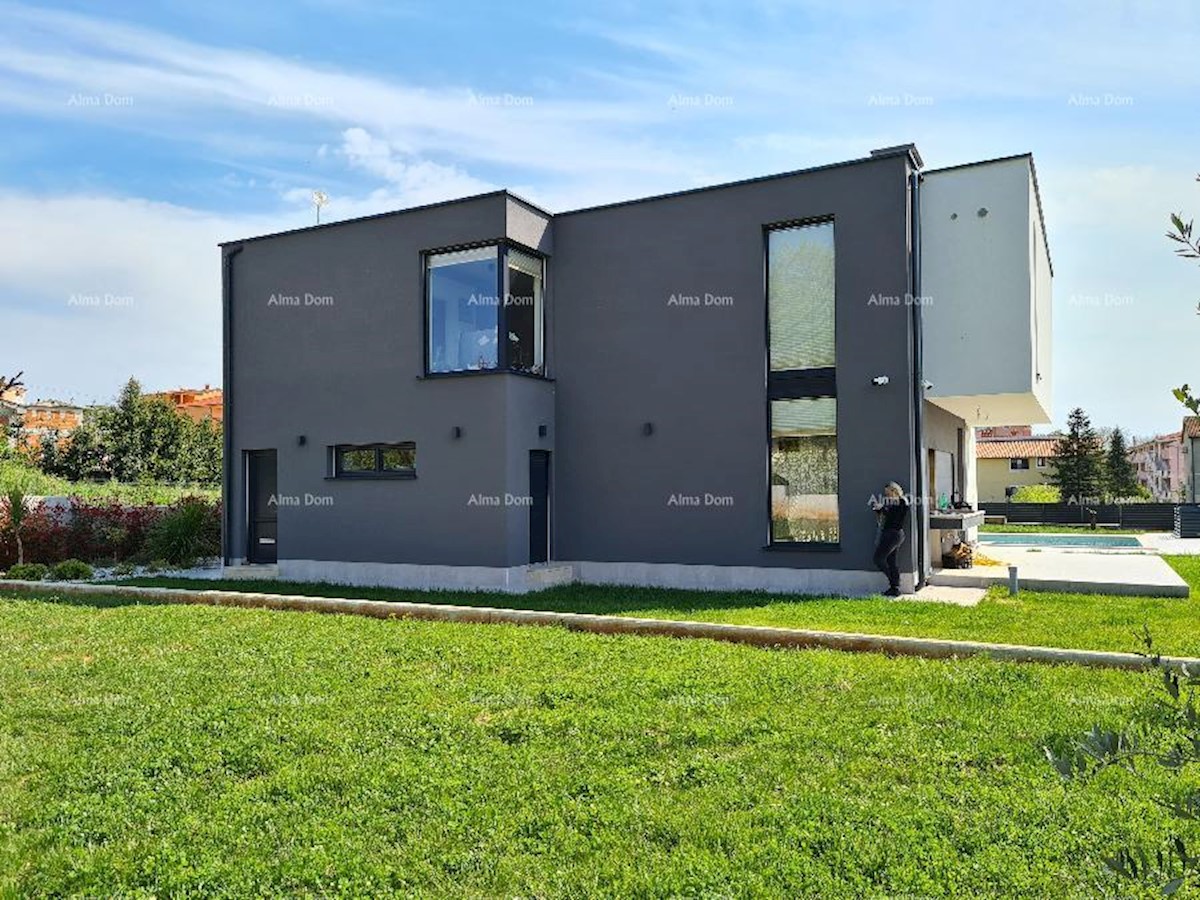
(703,389)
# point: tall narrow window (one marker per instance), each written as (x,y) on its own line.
(802,385)
(800,287)
(484,310)
(804,470)
(523,312)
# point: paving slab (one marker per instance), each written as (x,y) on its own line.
(1073,571)
(1171,545)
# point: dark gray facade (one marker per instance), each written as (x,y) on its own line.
(647,402)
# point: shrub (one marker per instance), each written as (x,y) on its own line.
(190,530)
(71,570)
(124,569)
(1037,493)
(27,572)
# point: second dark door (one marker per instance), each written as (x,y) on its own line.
(539,506)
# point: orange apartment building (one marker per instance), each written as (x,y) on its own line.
(41,419)
(198,404)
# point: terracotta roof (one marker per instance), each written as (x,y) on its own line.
(1006,448)
(1191,427)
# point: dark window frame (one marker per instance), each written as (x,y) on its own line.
(379,472)
(1016,468)
(797,384)
(503,363)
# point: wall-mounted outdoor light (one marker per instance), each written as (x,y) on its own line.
(928,385)
(648,429)
(301,440)
(456,432)
(880,380)
(543,431)
(983,211)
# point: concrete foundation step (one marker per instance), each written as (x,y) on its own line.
(251,572)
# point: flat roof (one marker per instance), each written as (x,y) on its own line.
(876,156)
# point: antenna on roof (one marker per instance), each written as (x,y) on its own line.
(319,199)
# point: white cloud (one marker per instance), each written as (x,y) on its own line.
(98,288)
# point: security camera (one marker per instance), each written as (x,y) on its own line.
(880,380)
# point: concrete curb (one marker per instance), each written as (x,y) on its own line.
(758,636)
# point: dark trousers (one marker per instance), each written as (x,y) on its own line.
(890,540)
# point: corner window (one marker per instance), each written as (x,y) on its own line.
(375,461)
(484,310)
(804,470)
(802,385)
(1018,463)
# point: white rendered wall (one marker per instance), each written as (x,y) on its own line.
(984,270)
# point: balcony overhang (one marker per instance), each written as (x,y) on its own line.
(982,410)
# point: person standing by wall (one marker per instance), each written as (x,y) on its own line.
(892,511)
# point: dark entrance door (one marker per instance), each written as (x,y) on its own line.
(262,478)
(539,506)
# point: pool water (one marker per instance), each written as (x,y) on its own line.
(1060,540)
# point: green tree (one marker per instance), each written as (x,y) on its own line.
(141,439)
(1078,463)
(84,457)
(1188,248)
(16,505)
(1119,475)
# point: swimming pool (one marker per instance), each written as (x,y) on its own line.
(1059,540)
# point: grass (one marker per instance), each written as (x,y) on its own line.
(1018,528)
(139,494)
(1081,621)
(163,750)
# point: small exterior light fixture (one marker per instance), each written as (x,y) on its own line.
(648,429)
(456,432)
(542,431)
(927,385)
(301,440)
(983,211)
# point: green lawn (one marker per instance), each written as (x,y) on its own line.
(1017,528)
(1084,621)
(169,750)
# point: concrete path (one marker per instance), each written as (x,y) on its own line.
(1073,571)
(772,638)
(1165,542)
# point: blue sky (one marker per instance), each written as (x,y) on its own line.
(138,137)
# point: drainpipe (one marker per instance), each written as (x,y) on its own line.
(918,388)
(227,401)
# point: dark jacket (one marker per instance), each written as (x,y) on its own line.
(895,514)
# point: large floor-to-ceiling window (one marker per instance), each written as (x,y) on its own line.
(802,384)
(484,310)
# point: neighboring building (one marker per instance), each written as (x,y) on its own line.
(14,396)
(198,404)
(701,389)
(47,418)
(11,403)
(1190,464)
(1003,431)
(1014,462)
(1160,466)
